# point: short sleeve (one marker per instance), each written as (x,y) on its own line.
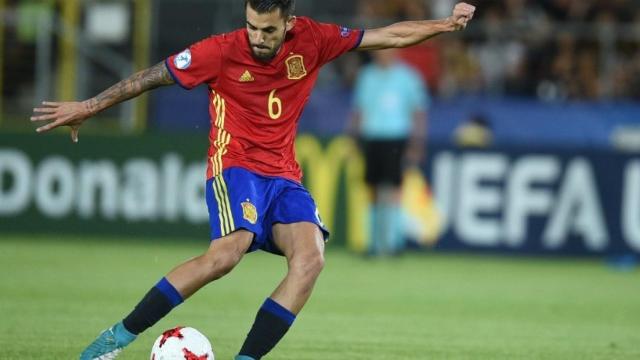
(334,40)
(198,64)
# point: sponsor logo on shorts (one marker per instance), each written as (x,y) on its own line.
(345,32)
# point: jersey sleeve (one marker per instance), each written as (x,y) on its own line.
(334,40)
(198,64)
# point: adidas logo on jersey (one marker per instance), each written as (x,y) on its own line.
(247,77)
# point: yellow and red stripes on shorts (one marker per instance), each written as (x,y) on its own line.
(220,190)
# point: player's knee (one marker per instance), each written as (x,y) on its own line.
(309,264)
(218,269)
(317,264)
(225,266)
(219,265)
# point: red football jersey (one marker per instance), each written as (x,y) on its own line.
(254,105)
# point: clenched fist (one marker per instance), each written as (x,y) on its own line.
(462,14)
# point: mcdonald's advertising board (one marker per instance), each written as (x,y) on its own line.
(544,201)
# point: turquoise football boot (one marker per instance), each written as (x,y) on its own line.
(109,344)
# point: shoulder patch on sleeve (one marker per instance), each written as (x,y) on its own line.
(182,61)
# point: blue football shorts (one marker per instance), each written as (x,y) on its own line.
(241,199)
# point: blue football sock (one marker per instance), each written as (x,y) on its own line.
(157,303)
(271,324)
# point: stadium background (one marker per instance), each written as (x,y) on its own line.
(556,84)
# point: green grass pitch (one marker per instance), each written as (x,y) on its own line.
(57,294)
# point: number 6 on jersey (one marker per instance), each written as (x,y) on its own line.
(275,102)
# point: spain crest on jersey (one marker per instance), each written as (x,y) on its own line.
(295,67)
(249,212)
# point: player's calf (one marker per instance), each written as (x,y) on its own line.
(304,270)
(221,257)
(305,255)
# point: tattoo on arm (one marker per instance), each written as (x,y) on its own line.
(151,78)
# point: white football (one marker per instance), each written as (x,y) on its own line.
(182,343)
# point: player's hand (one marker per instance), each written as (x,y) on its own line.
(462,14)
(71,114)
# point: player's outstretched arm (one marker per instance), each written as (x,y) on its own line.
(74,113)
(409,33)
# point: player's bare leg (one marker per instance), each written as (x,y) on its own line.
(303,245)
(221,257)
(183,281)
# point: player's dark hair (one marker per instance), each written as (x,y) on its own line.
(266,6)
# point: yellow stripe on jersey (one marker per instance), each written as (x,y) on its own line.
(227,225)
(224,138)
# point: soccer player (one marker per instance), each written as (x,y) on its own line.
(259,79)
